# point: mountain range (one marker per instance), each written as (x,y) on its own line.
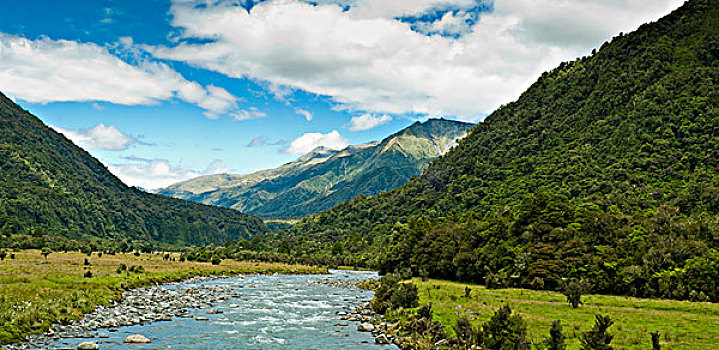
(52,187)
(325,177)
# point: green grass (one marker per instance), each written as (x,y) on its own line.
(34,294)
(683,325)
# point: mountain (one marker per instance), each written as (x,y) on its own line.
(324,177)
(605,169)
(50,185)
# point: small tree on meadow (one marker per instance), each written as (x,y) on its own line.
(573,290)
(599,337)
(655,341)
(46,251)
(505,331)
(556,339)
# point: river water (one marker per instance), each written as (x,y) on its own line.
(273,312)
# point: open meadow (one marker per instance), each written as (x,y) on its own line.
(683,325)
(36,291)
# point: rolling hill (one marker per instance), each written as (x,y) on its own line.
(325,177)
(52,187)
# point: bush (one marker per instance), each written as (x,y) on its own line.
(88,274)
(391,294)
(573,290)
(46,251)
(121,268)
(216,260)
(556,339)
(655,341)
(87,262)
(3,254)
(598,338)
(505,331)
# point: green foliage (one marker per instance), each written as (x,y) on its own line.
(50,187)
(505,331)
(121,268)
(655,341)
(556,339)
(46,251)
(605,169)
(573,290)
(88,274)
(392,294)
(599,337)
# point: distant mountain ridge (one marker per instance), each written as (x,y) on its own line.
(50,185)
(325,177)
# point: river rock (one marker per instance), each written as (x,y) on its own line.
(88,345)
(381,339)
(365,327)
(136,339)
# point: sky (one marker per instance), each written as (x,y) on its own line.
(162,91)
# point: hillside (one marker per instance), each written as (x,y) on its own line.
(324,177)
(606,169)
(51,186)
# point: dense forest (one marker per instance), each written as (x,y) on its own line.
(605,170)
(55,192)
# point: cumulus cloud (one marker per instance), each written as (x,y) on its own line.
(249,114)
(153,174)
(99,137)
(368,121)
(46,70)
(367,59)
(310,141)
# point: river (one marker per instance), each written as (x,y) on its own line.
(272,312)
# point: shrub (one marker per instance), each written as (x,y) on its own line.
(46,251)
(87,262)
(88,274)
(573,290)
(655,341)
(3,254)
(598,338)
(216,260)
(121,268)
(505,331)
(556,339)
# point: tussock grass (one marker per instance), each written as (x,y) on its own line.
(36,292)
(683,325)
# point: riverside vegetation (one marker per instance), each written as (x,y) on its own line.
(457,316)
(39,290)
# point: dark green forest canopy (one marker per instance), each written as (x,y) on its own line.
(606,168)
(51,187)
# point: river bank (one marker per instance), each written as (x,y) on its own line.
(241,312)
(37,291)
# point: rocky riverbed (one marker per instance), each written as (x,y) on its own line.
(243,301)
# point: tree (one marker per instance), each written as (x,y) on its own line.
(556,339)
(505,331)
(598,338)
(46,251)
(573,290)
(655,341)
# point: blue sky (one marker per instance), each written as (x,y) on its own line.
(165,90)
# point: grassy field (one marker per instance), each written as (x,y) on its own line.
(683,325)
(36,291)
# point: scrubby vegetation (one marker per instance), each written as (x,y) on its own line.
(518,319)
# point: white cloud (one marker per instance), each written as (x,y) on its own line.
(46,70)
(366,60)
(310,141)
(305,113)
(153,174)
(99,137)
(368,121)
(249,114)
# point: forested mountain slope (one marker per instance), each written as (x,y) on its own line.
(606,168)
(48,185)
(325,177)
